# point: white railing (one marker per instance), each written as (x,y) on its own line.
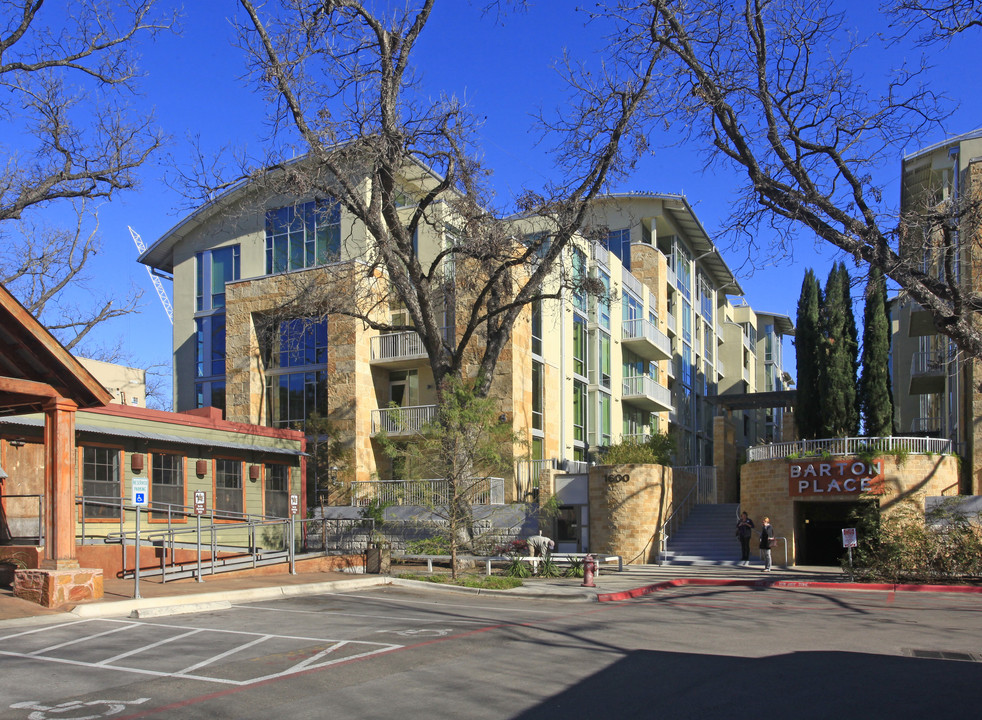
(640,328)
(427,493)
(396,346)
(850,446)
(670,322)
(927,363)
(402,420)
(636,438)
(720,367)
(527,472)
(644,386)
(601,256)
(670,277)
(632,283)
(746,374)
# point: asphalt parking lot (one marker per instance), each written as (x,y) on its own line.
(398,652)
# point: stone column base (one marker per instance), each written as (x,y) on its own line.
(53,588)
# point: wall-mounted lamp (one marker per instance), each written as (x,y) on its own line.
(201,468)
(17,442)
(136,462)
(254,472)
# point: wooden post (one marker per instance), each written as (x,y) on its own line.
(59,485)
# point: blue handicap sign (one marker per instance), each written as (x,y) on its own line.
(139,498)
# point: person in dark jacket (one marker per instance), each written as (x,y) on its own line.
(766,535)
(744,531)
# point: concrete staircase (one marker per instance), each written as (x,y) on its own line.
(707,537)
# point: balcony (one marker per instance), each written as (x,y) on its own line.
(926,426)
(927,373)
(643,392)
(397,349)
(670,324)
(921,322)
(643,338)
(401,421)
(720,368)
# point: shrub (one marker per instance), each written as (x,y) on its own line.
(657,451)
(428,546)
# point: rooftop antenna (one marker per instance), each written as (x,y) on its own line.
(159,286)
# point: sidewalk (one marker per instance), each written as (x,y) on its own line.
(183,594)
(220,591)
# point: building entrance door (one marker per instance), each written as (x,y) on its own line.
(818,530)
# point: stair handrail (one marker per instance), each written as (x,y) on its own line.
(674,518)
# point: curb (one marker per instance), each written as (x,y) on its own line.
(146,605)
(520,592)
(706,582)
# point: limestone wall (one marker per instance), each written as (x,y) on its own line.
(627,508)
(765,488)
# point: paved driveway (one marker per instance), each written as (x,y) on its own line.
(399,653)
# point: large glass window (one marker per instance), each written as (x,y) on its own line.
(100,483)
(683,271)
(224,269)
(579,273)
(537,327)
(538,396)
(603,358)
(166,484)
(619,243)
(302,236)
(302,342)
(278,490)
(604,412)
(579,345)
(228,486)
(293,397)
(603,302)
(579,411)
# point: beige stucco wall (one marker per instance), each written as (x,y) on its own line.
(625,515)
(764,488)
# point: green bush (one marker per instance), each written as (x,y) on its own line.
(483,582)
(905,547)
(656,451)
(428,546)
(575,569)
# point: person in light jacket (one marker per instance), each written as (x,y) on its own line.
(766,536)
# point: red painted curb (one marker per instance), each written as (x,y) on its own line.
(708,582)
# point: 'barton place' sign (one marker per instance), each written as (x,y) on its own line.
(829,477)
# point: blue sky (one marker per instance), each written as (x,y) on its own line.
(505,71)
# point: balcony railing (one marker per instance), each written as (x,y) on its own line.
(927,372)
(644,392)
(402,420)
(400,346)
(428,493)
(720,367)
(646,340)
(632,283)
(670,323)
(925,425)
(850,446)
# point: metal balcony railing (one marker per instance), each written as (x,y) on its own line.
(850,446)
(428,493)
(658,345)
(402,420)
(652,395)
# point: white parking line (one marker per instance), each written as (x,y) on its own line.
(310,663)
(82,639)
(225,654)
(144,648)
(331,613)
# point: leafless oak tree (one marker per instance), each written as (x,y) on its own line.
(68,141)
(772,87)
(340,78)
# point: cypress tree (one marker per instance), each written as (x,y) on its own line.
(876,396)
(851,338)
(807,336)
(837,378)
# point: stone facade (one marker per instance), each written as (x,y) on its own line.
(765,491)
(627,507)
(54,588)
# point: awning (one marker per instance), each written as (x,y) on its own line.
(159,437)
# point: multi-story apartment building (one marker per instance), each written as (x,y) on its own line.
(581,372)
(934,385)
(752,353)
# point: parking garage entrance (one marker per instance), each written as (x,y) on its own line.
(818,529)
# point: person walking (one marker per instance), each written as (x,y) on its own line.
(744,531)
(766,542)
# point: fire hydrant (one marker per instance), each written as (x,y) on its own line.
(589,568)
